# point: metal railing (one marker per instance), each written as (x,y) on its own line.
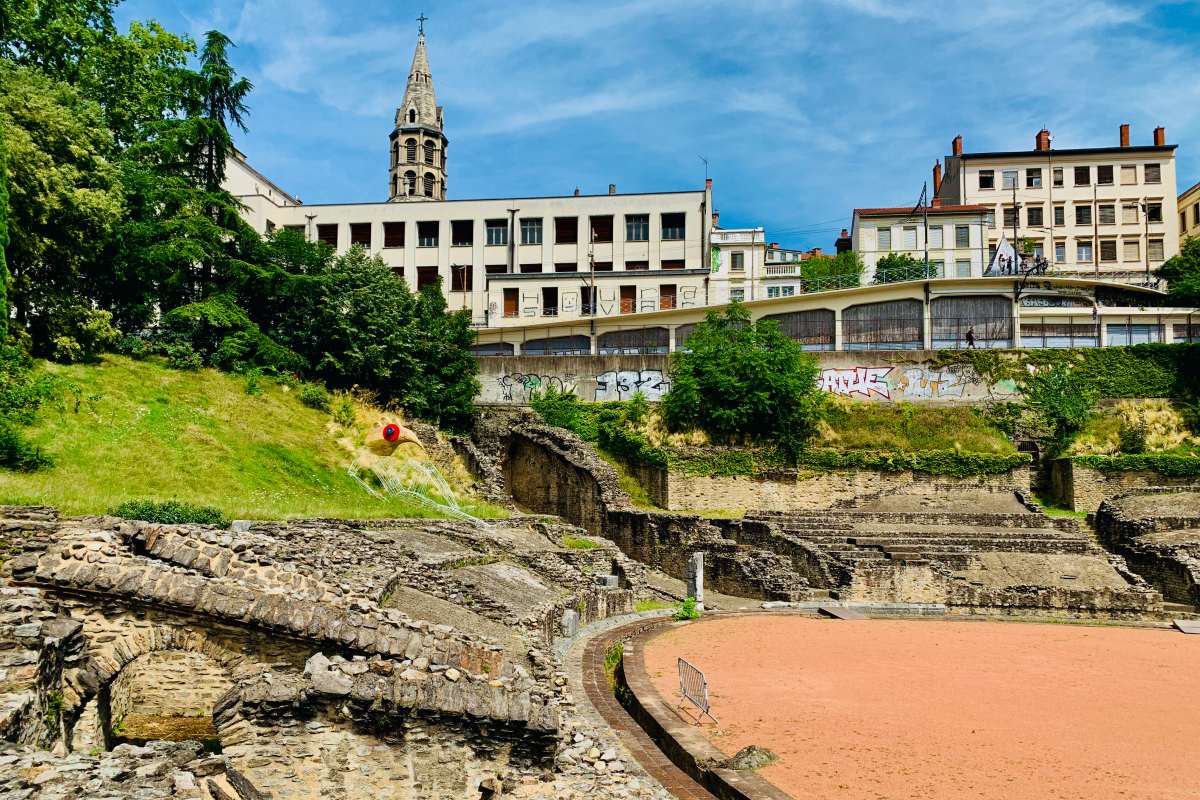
(694,687)
(919,272)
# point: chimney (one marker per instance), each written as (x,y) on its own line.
(708,184)
(612,188)
(956,145)
(716,218)
(815,252)
(936,202)
(1124,134)
(1160,136)
(937,177)
(1042,141)
(577,191)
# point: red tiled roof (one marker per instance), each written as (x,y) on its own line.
(947,209)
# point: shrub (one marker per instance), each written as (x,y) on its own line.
(181,355)
(133,346)
(170,512)
(637,408)
(343,411)
(1063,399)
(744,379)
(1132,435)
(314,395)
(18,454)
(1172,466)
(688,610)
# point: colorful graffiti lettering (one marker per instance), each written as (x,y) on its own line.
(623,385)
(525,384)
(857,380)
(929,384)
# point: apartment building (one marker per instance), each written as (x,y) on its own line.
(737,262)
(954,237)
(1089,211)
(1188,207)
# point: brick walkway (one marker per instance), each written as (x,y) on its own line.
(635,740)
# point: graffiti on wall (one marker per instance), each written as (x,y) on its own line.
(920,383)
(865,381)
(516,387)
(623,385)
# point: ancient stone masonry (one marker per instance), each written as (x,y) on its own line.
(384,659)
(1157,530)
(553,471)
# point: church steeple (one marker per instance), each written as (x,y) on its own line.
(417,143)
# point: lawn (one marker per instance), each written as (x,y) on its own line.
(142,431)
(908,427)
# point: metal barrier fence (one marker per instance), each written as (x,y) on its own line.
(694,687)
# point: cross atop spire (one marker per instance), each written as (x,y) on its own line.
(421,20)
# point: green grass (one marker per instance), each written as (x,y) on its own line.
(908,427)
(651,605)
(152,433)
(577,543)
(1051,509)
(629,484)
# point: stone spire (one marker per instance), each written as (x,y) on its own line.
(417,143)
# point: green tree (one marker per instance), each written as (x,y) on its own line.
(1063,399)
(901,267)
(1182,273)
(3,240)
(64,199)
(216,99)
(832,272)
(740,378)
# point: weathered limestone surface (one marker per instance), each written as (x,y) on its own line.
(1081,488)
(1157,530)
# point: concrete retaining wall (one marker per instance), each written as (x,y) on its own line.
(881,376)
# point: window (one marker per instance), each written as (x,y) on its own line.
(1182,222)
(1131,251)
(910,238)
(962,268)
(1083,176)
(1009,177)
(602,228)
(637,227)
(530,269)
(1107,214)
(1155,250)
(462,233)
(602,266)
(737,294)
(885,238)
(628,299)
(1083,252)
(549,301)
(787,291)
(772,291)
(737,261)
(637,266)
(1060,216)
(1033,178)
(496,269)
(935,237)
(1129,213)
(673,264)
(412,115)
(1057,176)
(328,234)
(531,230)
(1060,252)
(427,234)
(566,267)
(666,295)
(1154,212)
(1083,215)
(962,236)
(360,233)
(410,182)
(294,229)
(987,179)
(511,303)
(990,216)
(410,150)
(428,180)
(1128,174)
(1039,249)
(936,267)
(1152,173)
(673,227)
(460,278)
(1033,216)
(1104,175)
(426,276)
(429,153)
(585,301)
(496,231)
(1010,216)
(566,230)
(393,234)
(1196,214)
(1108,250)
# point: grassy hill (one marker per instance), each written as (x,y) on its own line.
(139,430)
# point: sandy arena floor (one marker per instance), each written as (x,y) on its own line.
(950,709)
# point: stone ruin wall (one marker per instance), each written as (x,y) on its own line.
(1081,488)
(1171,567)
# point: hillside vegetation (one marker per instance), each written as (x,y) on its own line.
(138,430)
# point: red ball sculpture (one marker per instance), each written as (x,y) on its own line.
(391,432)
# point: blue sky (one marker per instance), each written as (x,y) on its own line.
(803,109)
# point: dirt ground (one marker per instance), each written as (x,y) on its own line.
(1184,503)
(949,709)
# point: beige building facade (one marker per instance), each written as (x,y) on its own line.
(953,236)
(1188,208)
(1092,211)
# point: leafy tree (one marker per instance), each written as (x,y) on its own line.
(3,240)
(744,379)
(840,271)
(1182,273)
(63,198)
(901,267)
(215,99)
(1063,399)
